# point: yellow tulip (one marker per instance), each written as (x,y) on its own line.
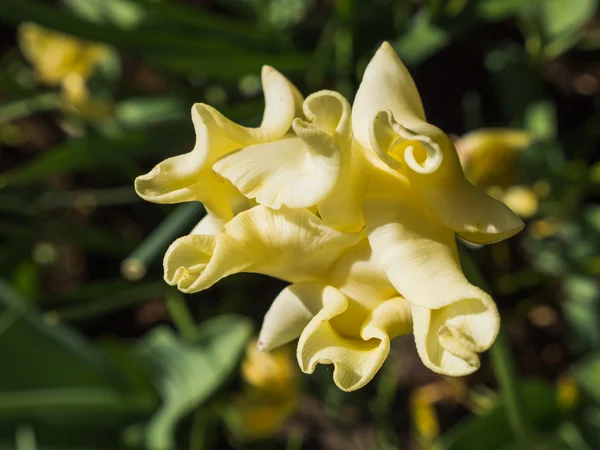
(357,207)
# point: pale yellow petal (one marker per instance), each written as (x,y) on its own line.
(522,200)
(386,85)
(358,275)
(209,224)
(293,245)
(449,339)
(356,357)
(171,180)
(291,172)
(418,254)
(297,172)
(458,204)
(289,314)
(342,208)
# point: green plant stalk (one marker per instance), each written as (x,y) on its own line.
(182,317)
(503,364)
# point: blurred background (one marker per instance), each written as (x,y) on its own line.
(98,353)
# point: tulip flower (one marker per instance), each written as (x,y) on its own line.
(357,207)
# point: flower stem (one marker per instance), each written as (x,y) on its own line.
(182,317)
(502,363)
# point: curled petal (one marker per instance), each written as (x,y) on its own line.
(170,181)
(455,202)
(397,145)
(356,359)
(290,312)
(417,253)
(449,339)
(293,245)
(330,112)
(386,85)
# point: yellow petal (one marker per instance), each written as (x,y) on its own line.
(449,339)
(293,245)
(173,180)
(212,223)
(358,275)
(418,254)
(296,172)
(291,172)
(356,359)
(290,312)
(455,202)
(342,208)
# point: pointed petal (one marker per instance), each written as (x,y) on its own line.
(290,312)
(418,254)
(171,181)
(386,85)
(448,339)
(293,245)
(209,224)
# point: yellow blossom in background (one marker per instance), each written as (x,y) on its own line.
(270,396)
(357,207)
(64,61)
(490,160)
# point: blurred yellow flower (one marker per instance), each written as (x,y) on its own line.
(357,207)
(62,60)
(270,396)
(489,158)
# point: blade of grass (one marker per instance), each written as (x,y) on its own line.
(16,109)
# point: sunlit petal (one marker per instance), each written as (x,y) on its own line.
(290,312)
(449,339)
(293,245)
(386,85)
(356,358)
(417,253)
(171,180)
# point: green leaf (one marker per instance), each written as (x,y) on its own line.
(186,374)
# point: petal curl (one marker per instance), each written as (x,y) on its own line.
(418,254)
(302,171)
(386,85)
(293,245)
(449,339)
(290,312)
(171,180)
(356,359)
